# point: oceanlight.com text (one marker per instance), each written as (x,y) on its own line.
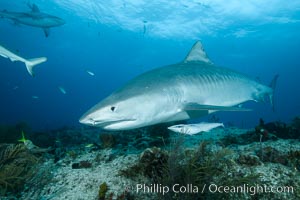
(251,189)
(211,188)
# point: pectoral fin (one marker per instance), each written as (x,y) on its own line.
(197,113)
(46,31)
(211,108)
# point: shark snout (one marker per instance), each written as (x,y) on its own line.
(87,121)
(94,122)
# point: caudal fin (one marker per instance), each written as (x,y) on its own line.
(273,86)
(30,63)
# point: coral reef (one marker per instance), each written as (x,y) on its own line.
(107,140)
(102,194)
(231,157)
(199,167)
(270,154)
(16,167)
(232,166)
(266,131)
(102,191)
(250,160)
(142,138)
(248,137)
(152,163)
(282,130)
(294,159)
(125,196)
(82,164)
(296,123)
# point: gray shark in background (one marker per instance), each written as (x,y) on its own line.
(29,63)
(182,91)
(34,18)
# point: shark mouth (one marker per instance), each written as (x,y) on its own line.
(102,123)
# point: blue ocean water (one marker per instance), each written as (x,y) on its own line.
(118,40)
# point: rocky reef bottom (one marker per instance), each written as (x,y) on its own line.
(83,164)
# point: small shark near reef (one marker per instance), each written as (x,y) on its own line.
(29,63)
(192,129)
(34,18)
(190,89)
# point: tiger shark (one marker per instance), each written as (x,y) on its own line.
(34,18)
(189,89)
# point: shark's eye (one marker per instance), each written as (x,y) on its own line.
(113,108)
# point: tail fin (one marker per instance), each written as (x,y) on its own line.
(30,63)
(273,85)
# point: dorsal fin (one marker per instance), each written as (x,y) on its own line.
(34,8)
(197,53)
